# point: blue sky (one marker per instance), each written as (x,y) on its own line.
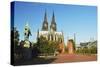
(81,20)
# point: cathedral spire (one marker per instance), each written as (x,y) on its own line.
(45,16)
(45,23)
(53,18)
(63,35)
(37,34)
(53,23)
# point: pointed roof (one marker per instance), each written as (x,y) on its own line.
(37,33)
(45,16)
(53,18)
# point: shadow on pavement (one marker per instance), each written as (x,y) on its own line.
(34,61)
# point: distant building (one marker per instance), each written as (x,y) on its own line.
(87,45)
(92,44)
(50,32)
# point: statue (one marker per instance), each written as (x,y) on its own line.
(27,44)
(27,32)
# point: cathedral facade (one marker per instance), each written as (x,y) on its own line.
(51,33)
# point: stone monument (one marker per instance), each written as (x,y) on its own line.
(27,44)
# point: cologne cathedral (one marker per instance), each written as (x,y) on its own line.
(50,32)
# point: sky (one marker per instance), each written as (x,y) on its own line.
(71,19)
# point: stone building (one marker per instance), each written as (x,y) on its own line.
(50,32)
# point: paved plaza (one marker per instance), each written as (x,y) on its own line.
(62,58)
(74,58)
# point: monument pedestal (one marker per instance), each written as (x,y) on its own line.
(27,50)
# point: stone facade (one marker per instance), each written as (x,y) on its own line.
(50,32)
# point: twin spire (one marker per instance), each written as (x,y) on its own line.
(45,23)
(53,18)
(45,16)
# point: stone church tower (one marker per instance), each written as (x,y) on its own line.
(45,23)
(53,24)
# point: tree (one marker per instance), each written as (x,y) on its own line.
(14,42)
(93,49)
(46,47)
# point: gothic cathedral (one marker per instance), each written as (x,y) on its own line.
(50,32)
